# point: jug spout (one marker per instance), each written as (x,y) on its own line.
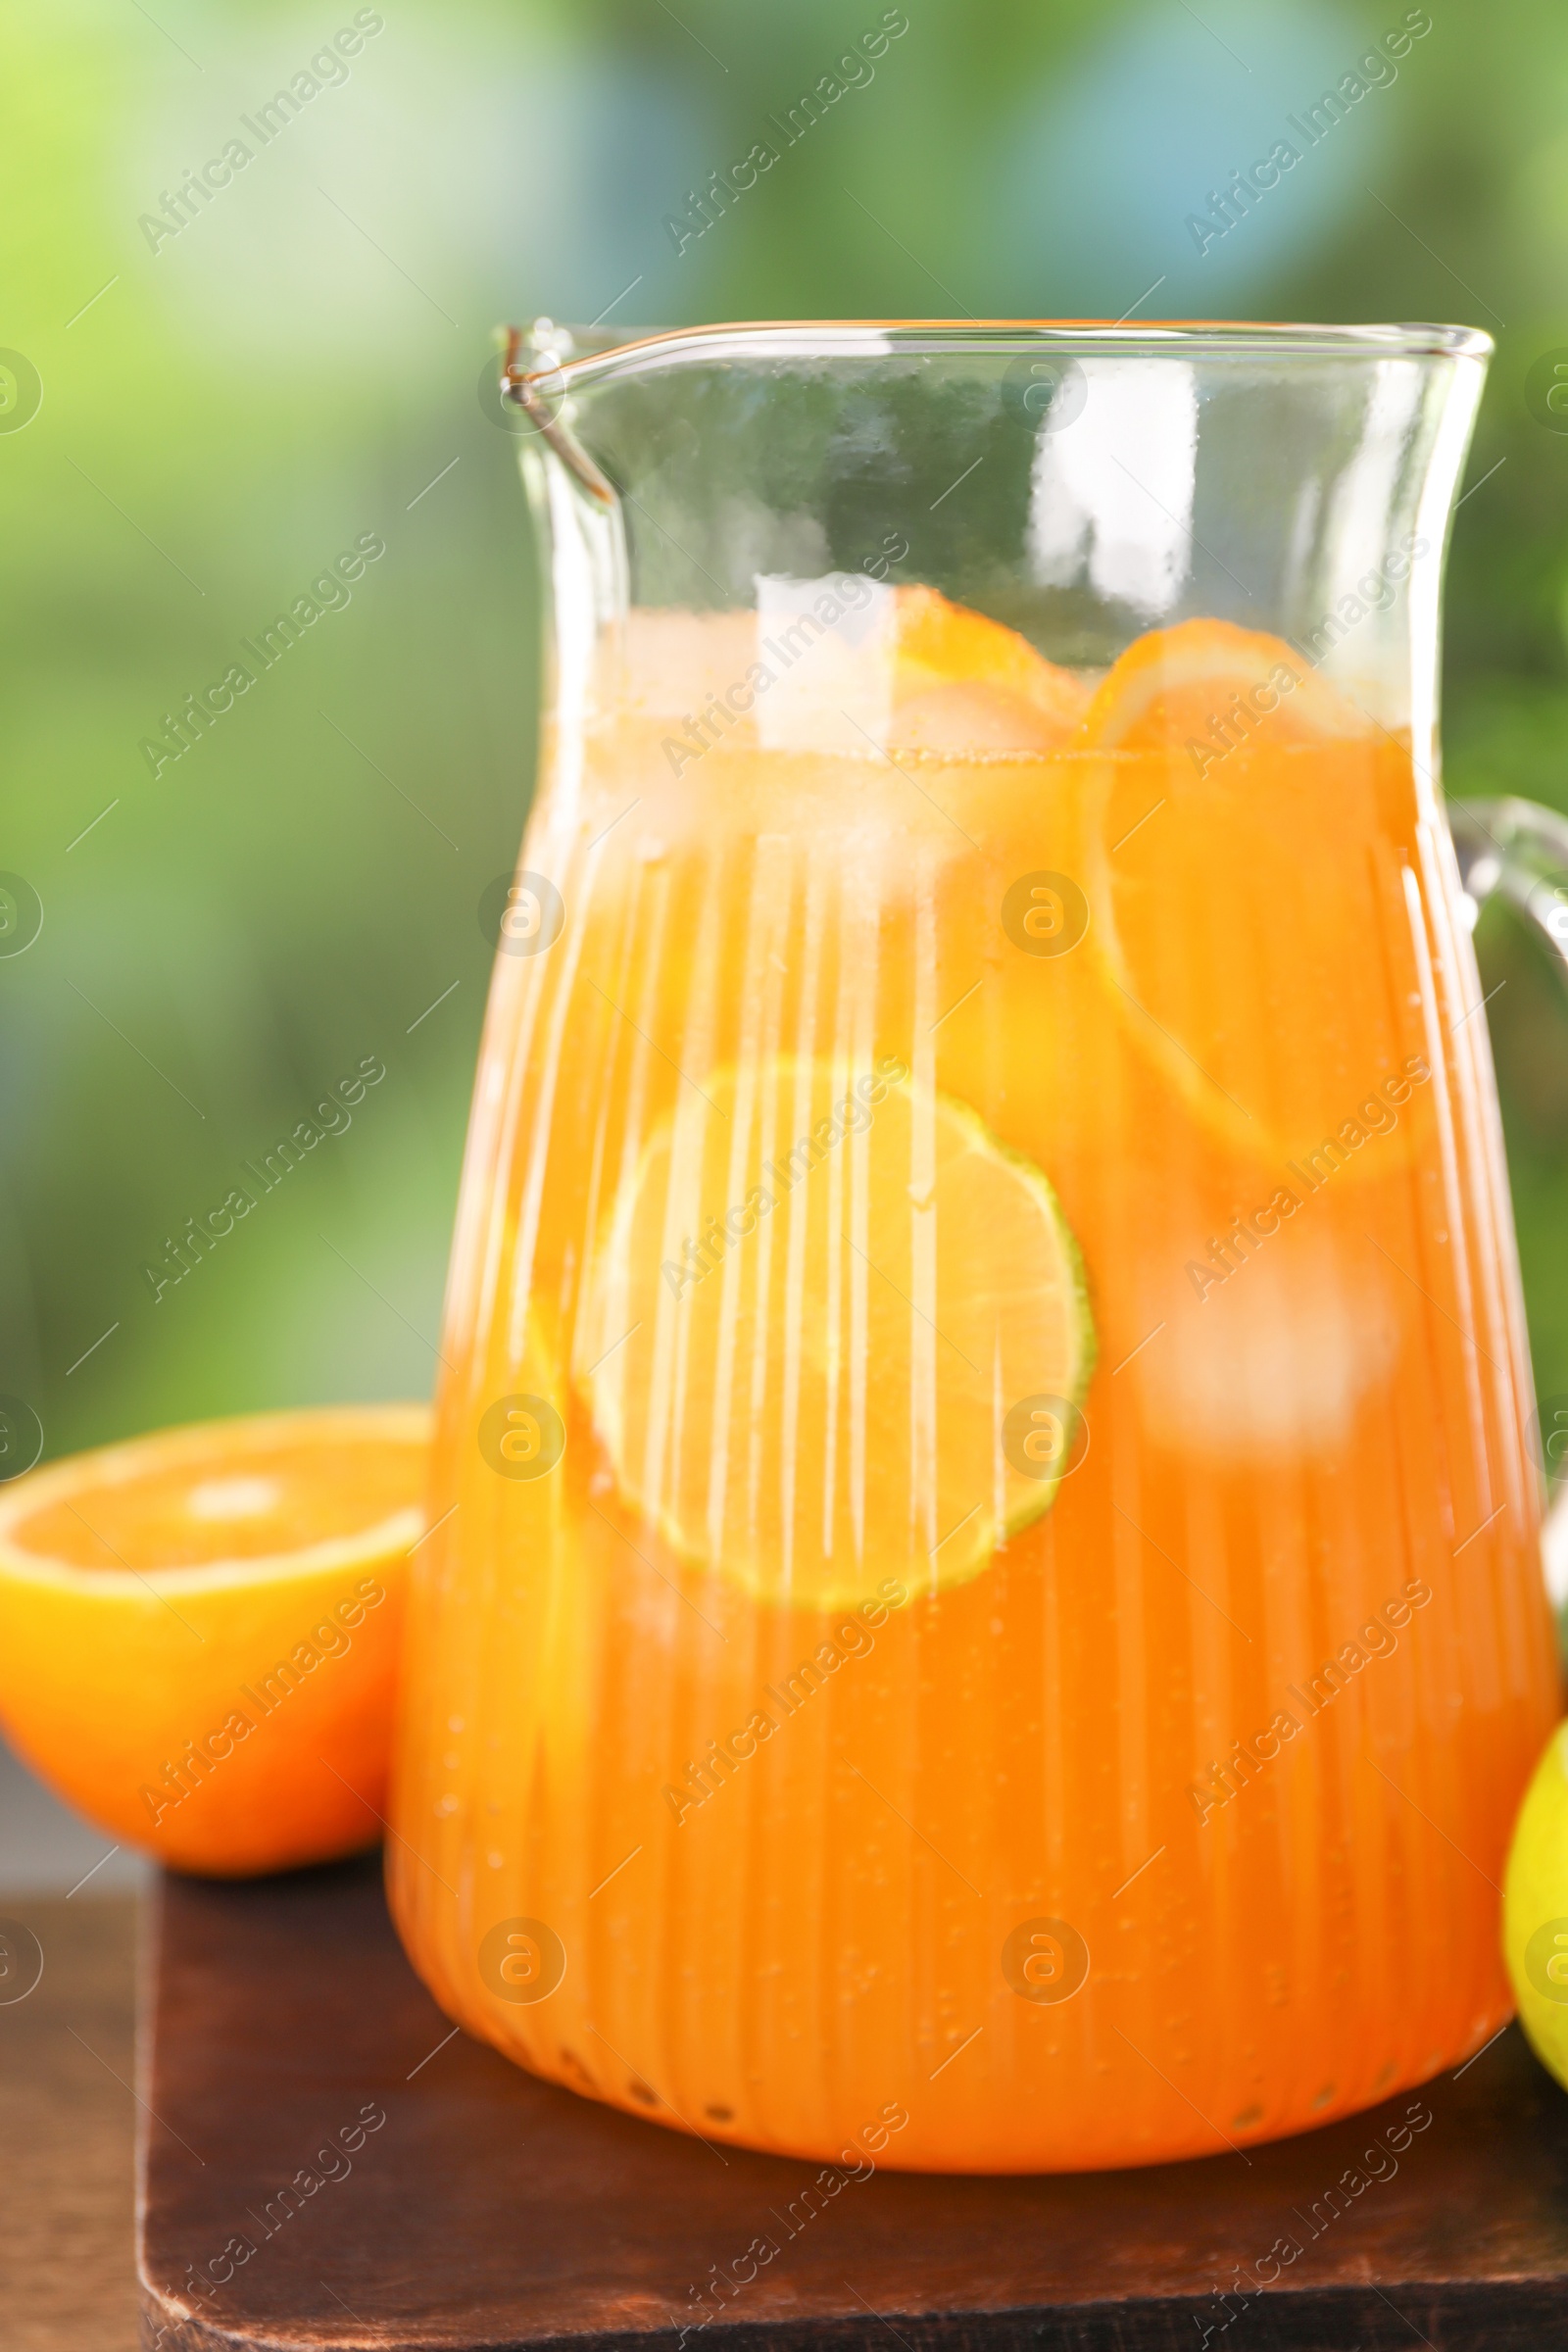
(578,517)
(531,377)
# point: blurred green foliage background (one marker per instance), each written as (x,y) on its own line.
(227,408)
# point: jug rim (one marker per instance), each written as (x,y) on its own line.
(574,357)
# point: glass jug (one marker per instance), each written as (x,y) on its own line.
(984,1606)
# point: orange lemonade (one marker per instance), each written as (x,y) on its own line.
(984,1606)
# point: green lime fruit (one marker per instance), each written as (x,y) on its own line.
(1535,1908)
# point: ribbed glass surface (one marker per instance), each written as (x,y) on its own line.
(736,1788)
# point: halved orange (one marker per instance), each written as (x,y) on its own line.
(965,683)
(199,1630)
(1247,829)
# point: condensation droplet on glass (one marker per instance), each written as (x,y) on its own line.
(495,1860)
(455,1723)
(651,850)
(445,1804)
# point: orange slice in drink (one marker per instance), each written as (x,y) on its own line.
(201,1631)
(962,682)
(836,1334)
(1243,850)
(1207,686)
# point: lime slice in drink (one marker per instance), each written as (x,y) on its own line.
(836,1332)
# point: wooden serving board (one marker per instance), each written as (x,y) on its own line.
(486,2209)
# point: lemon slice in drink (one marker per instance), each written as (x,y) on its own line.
(836,1334)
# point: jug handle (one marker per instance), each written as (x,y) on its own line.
(1518,850)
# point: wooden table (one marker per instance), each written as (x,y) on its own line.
(67,2110)
(483,2208)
